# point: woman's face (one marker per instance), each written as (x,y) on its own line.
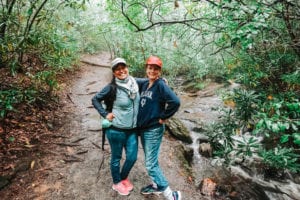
(153,72)
(121,71)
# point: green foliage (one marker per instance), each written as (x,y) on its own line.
(45,78)
(281,158)
(220,135)
(60,50)
(269,72)
(7,99)
(274,120)
(43,31)
(279,118)
(266,71)
(21,22)
(247,146)
(246,104)
(295,137)
(241,33)
(292,79)
(179,47)
(11,97)
(232,123)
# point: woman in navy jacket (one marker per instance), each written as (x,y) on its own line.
(157,103)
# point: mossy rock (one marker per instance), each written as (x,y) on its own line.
(179,130)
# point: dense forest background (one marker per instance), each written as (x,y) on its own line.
(255,44)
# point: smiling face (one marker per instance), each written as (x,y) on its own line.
(153,72)
(121,71)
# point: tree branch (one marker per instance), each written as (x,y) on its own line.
(4,20)
(34,17)
(220,49)
(289,27)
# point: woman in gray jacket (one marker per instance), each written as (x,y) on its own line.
(121,98)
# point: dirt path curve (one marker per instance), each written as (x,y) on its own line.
(84,171)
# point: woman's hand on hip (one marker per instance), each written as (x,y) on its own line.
(110,116)
(162,121)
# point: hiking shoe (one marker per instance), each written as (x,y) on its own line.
(120,188)
(150,190)
(176,195)
(127,184)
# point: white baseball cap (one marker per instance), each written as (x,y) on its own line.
(117,61)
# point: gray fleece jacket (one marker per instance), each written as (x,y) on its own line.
(125,109)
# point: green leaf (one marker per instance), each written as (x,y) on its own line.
(275,128)
(294,127)
(2,113)
(259,124)
(268,124)
(282,126)
(11,139)
(29,12)
(267,134)
(296,137)
(284,138)
(9,107)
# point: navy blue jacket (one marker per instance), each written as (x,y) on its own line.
(157,102)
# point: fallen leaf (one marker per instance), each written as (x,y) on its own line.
(181,173)
(27,118)
(32,164)
(10,166)
(229,103)
(90,83)
(14,121)
(24,139)
(233,194)
(29,145)
(27,141)
(270,97)
(175,44)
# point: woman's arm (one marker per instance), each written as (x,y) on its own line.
(98,98)
(170,99)
(140,81)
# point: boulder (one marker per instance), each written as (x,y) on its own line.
(188,153)
(208,187)
(205,149)
(179,130)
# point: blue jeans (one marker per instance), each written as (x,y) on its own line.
(151,140)
(118,140)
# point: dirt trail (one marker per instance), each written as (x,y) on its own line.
(84,172)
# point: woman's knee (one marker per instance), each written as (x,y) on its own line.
(131,159)
(150,166)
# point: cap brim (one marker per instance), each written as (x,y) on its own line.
(118,64)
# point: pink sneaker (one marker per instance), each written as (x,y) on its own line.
(127,184)
(121,189)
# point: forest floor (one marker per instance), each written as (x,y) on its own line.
(66,162)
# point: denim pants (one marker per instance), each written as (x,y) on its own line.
(151,140)
(118,140)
